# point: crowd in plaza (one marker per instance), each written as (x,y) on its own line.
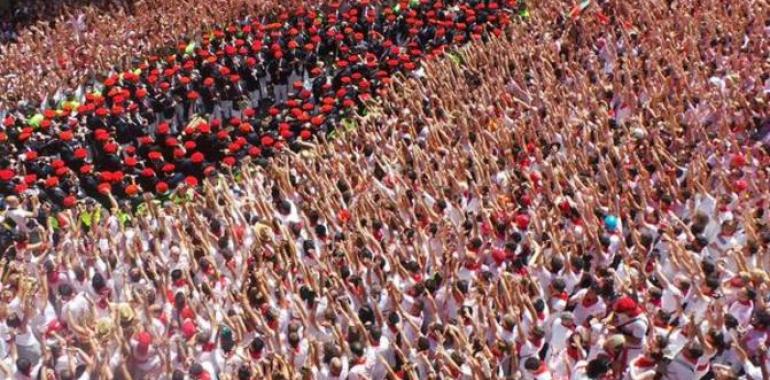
(579,192)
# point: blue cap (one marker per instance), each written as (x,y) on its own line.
(611,222)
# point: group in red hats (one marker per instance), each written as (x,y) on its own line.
(251,88)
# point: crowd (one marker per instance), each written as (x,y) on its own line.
(583,197)
(71,44)
(248,89)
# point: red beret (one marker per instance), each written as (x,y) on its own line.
(254,151)
(191,181)
(167,168)
(741,185)
(110,148)
(31,155)
(85,169)
(148,172)
(81,153)
(161,187)
(245,128)
(155,155)
(132,189)
(51,182)
(267,140)
(6,174)
(66,135)
(229,161)
(625,305)
(104,188)
(69,201)
(171,141)
(197,157)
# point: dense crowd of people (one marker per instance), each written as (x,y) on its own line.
(583,197)
(69,44)
(249,89)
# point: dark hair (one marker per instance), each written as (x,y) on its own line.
(532,363)
(597,367)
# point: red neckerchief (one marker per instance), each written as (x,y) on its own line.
(103,303)
(573,353)
(208,347)
(255,355)
(473,266)
(649,267)
(745,303)
(562,296)
(644,362)
(588,303)
(540,370)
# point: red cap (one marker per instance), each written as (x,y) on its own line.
(197,157)
(161,187)
(522,221)
(132,189)
(81,153)
(188,329)
(69,201)
(51,182)
(104,188)
(626,305)
(66,136)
